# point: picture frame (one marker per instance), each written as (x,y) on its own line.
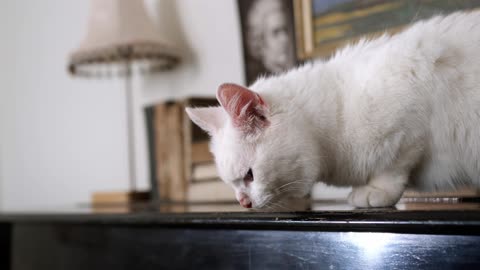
(322,26)
(268,37)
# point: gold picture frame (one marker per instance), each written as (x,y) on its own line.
(321,29)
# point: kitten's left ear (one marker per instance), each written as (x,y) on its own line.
(210,119)
(246,108)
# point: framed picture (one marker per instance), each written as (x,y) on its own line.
(325,25)
(268,36)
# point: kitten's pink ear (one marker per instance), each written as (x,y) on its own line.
(209,119)
(246,108)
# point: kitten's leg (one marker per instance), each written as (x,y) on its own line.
(383,190)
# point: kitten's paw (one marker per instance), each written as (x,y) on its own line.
(369,196)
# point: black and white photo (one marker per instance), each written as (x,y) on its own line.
(268,37)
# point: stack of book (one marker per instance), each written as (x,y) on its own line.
(182,167)
(205,184)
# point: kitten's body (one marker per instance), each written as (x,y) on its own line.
(378,115)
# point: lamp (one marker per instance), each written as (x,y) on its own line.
(120,34)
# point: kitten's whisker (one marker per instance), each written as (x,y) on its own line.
(291,189)
(282,206)
(268,207)
(298,185)
(290,183)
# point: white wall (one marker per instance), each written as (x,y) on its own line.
(62,138)
(3,70)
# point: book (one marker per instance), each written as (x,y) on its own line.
(118,201)
(161,135)
(115,197)
(175,145)
(166,150)
(152,160)
(214,191)
(465,192)
(200,152)
(204,172)
(175,155)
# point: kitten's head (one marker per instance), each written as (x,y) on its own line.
(259,151)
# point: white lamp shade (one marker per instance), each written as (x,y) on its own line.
(120,30)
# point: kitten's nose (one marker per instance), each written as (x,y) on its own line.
(245,202)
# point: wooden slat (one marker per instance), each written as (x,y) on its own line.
(174,153)
(161,137)
(177,185)
(187,144)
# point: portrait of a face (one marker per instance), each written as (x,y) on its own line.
(268,37)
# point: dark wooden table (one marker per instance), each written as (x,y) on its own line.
(439,235)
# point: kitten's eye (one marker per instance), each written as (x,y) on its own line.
(248,178)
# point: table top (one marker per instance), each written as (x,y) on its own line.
(446,215)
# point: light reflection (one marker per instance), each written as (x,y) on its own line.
(371,244)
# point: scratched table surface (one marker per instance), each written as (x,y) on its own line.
(418,233)
(442,214)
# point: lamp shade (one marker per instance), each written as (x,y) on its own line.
(119,31)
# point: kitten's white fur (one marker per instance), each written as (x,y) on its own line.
(378,115)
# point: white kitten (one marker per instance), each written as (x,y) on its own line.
(381,114)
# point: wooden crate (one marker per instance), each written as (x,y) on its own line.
(177,147)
